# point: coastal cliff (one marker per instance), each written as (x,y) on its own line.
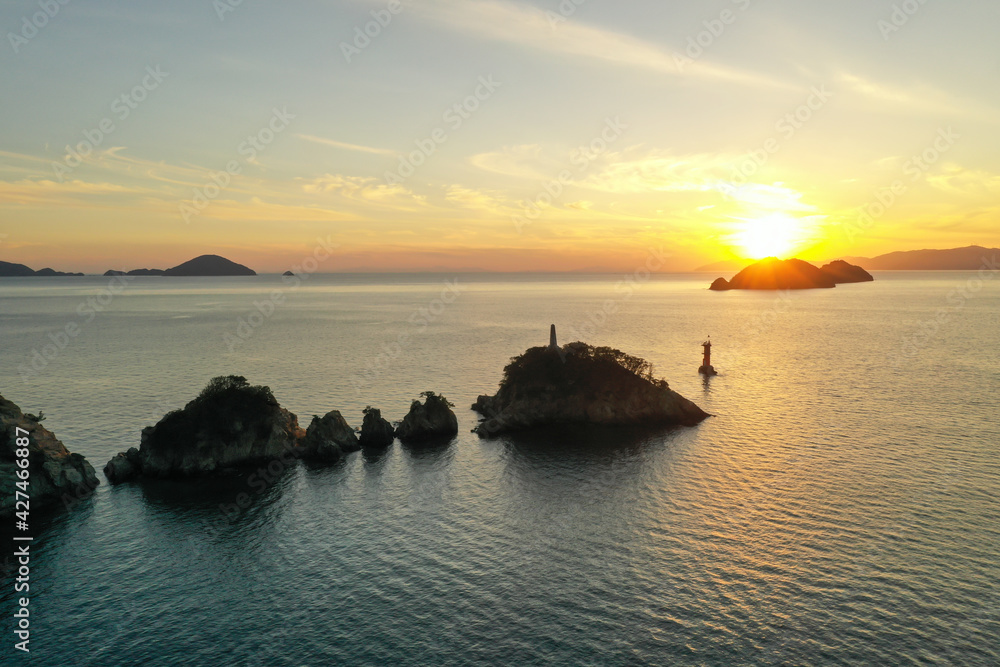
(54,473)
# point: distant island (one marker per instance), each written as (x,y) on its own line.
(10,270)
(781,274)
(205,265)
(970,258)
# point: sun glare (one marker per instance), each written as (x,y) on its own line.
(775,235)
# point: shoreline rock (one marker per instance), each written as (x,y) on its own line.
(376,432)
(54,473)
(429,420)
(329,438)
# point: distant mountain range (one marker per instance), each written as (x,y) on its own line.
(970,258)
(205,265)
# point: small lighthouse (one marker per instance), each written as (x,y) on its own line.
(706,363)
(552,338)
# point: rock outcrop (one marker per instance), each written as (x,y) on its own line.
(231,423)
(329,438)
(581,384)
(843,272)
(376,432)
(54,473)
(432,419)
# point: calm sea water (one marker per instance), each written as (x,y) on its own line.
(840,507)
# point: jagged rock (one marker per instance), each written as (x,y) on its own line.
(123,467)
(376,433)
(329,438)
(428,420)
(581,384)
(231,423)
(54,473)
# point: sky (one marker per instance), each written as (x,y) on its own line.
(454,135)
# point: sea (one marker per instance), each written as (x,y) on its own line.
(841,506)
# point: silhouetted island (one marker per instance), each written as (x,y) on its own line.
(782,274)
(842,272)
(136,272)
(581,384)
(53,473)
(11,270)
(205,265)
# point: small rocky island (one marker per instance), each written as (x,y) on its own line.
(581,384)
(54,473)
(230,423)
(431,420)
(784,274)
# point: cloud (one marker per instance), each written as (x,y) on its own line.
(524,25)
(919,97)
(346,146)
(661,171)
(524,161)
(364,189)
(957,180)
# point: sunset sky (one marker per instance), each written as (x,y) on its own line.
(579,135)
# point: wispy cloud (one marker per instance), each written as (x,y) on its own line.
(346,146)
(920,97)
(516,23)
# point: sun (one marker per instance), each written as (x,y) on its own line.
(774,235)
